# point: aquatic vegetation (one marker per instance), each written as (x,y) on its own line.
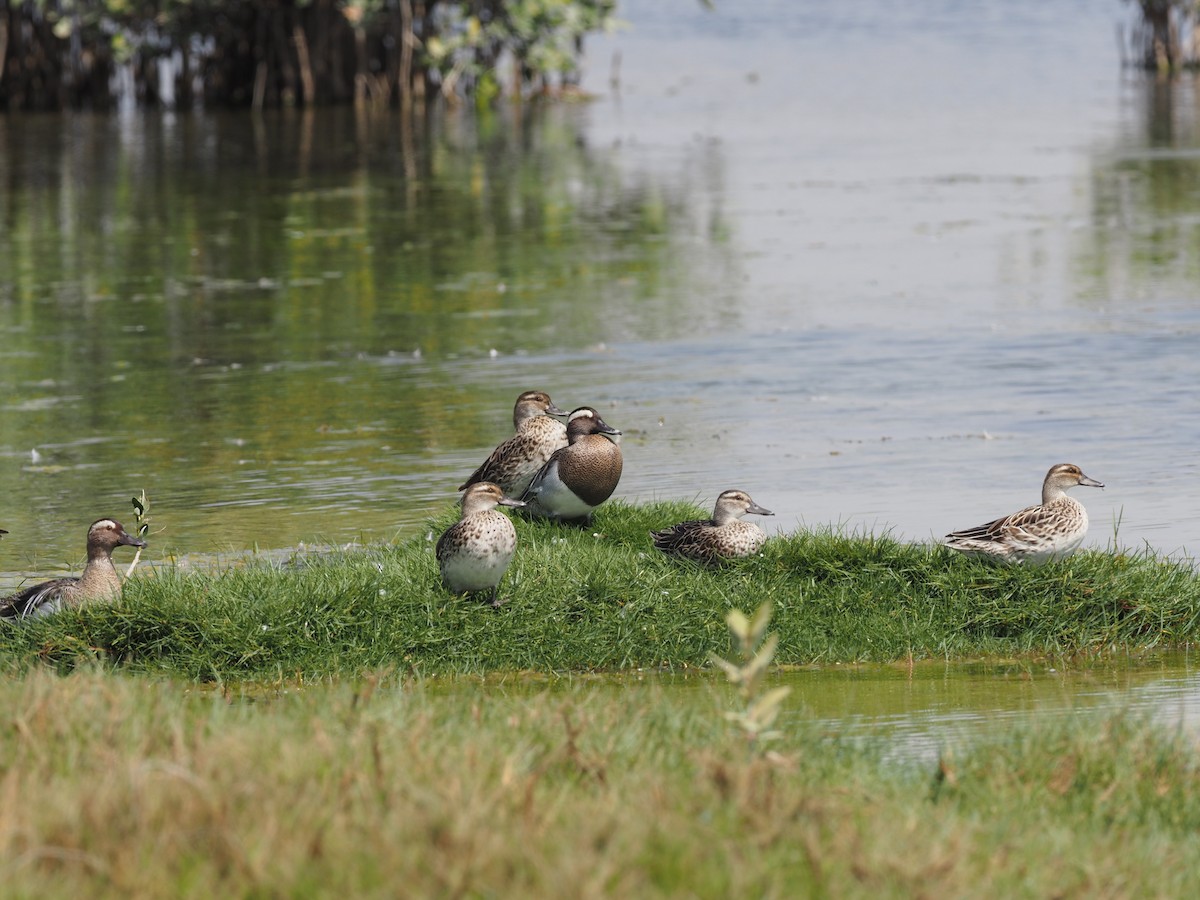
(759,710)
(141,520)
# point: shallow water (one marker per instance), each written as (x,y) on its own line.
(879,264)
(934,708)
(918,712)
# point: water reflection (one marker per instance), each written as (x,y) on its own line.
(914,714)
(933,708)
(1144,226)
(792,256)
(280,327)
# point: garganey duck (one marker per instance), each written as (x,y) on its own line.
(580,476)
(514,462)
(724,536)
(98,582)
(475,551)
(1038,533)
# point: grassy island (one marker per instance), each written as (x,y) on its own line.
(601,599)
(274,729)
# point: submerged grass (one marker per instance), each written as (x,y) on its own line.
(603,599)
(391,786)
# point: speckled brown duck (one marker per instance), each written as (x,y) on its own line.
(473,553)
(1053,528)
(580,476)
(724,536)
(99,581)
(514,462)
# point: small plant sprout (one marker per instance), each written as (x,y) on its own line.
(142,518)
(759,710)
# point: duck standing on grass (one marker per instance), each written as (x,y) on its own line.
(514,462)
(1037,533)
(580,476)
(99,581)
(475,551)
(724,536)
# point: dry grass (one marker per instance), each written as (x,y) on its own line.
(115,785)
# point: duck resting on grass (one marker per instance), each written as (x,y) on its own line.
(473,553)
(1035,534)
(580,476)
(724,536)
(99,581)
(514,462)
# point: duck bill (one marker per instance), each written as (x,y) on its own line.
(757,510)
(602,427)
(1090,482)
(509,501)
(130,541)
(553,410)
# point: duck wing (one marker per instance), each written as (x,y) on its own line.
(487,467)
(445,544)
(685,539)
(535,483)
(505,461)
(35,600)
(1025,528)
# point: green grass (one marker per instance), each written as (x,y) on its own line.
(385,786)
(264,730)
(603,599)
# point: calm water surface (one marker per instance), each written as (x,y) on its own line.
(934,708)
(880,264)
(917,713)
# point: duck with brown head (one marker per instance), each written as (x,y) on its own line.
(99,581)
(580,476)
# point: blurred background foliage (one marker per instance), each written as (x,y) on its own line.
(99,54)
(1166,35)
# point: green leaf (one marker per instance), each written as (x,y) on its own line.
(734,673)
(762,618)
(738,623)
(762,658)
(764,710)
